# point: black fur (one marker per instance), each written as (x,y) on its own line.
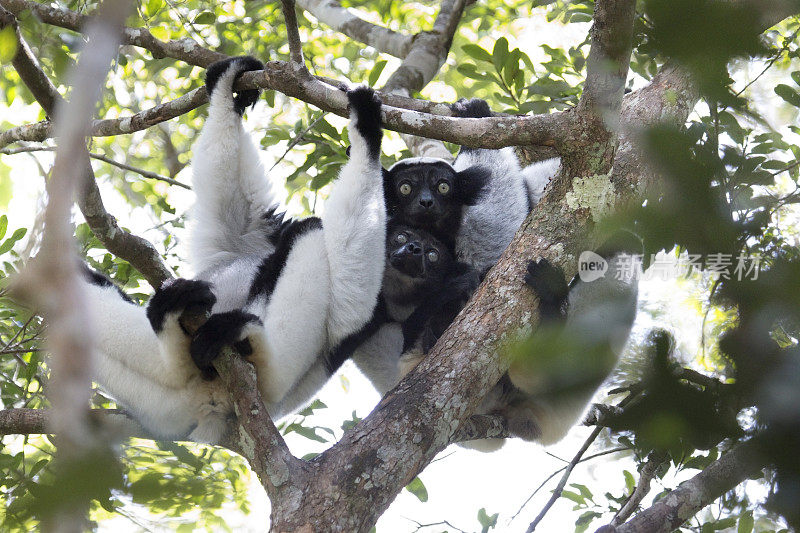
(367,107)
(242,99)
(549,284)
(472,108)
(433,316)
(179,295)
(222,329)
(271,267)
(344,350)
(101,280)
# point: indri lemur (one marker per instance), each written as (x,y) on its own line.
(283,292)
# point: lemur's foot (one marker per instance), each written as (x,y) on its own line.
(409,361)
(472,108)
(230,70)
(365,106)
(233,328)
(189,300)
(549,283)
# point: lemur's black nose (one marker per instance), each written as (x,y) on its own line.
(426,203)
(414,248)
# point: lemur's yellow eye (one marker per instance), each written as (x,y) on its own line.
(405,189)
(401,238)
(444,187)
(433,256)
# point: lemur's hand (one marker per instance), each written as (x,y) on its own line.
(234,67)
(365,112)
(550,286)
(187,299)
(472,108)
(222,329)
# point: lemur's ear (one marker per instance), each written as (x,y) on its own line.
(389,194)
(471,183)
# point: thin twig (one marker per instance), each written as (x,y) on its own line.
(100,157)
(649,470)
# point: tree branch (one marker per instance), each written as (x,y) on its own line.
(113,422)
(344,20)
(646,475)
(609,58)
(492,132)
(184,49)
(692,495)
(100,157)
(50,281)
(137,251)
(481,427)
(292,32)
(423,61)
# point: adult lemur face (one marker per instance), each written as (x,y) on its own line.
(416,253)
(425,191)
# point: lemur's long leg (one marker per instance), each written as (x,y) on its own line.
(232,214)
(328,282)
(132,365)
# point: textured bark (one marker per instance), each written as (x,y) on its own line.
(344,20)
(284,77)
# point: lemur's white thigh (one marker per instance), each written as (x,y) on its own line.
(294,320)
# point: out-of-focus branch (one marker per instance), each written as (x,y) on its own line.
(112,422)
(100,157)
(344,20)
(669,512)
(137,251)
(50,280)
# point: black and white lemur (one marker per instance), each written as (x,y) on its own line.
(591,320)
(284,292)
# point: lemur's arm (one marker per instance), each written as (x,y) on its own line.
(234,208)
(593,324)
(454,294)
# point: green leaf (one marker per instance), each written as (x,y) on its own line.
(9,243)
(574,496)
(3,225)
(487,522)
(630,482)
(585,492)
(375,73)
(8,44)
(500,53)
(788,94)
(745,523)
(796,76)
(152,7)
(206,17)
(476,52)
(417,488)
